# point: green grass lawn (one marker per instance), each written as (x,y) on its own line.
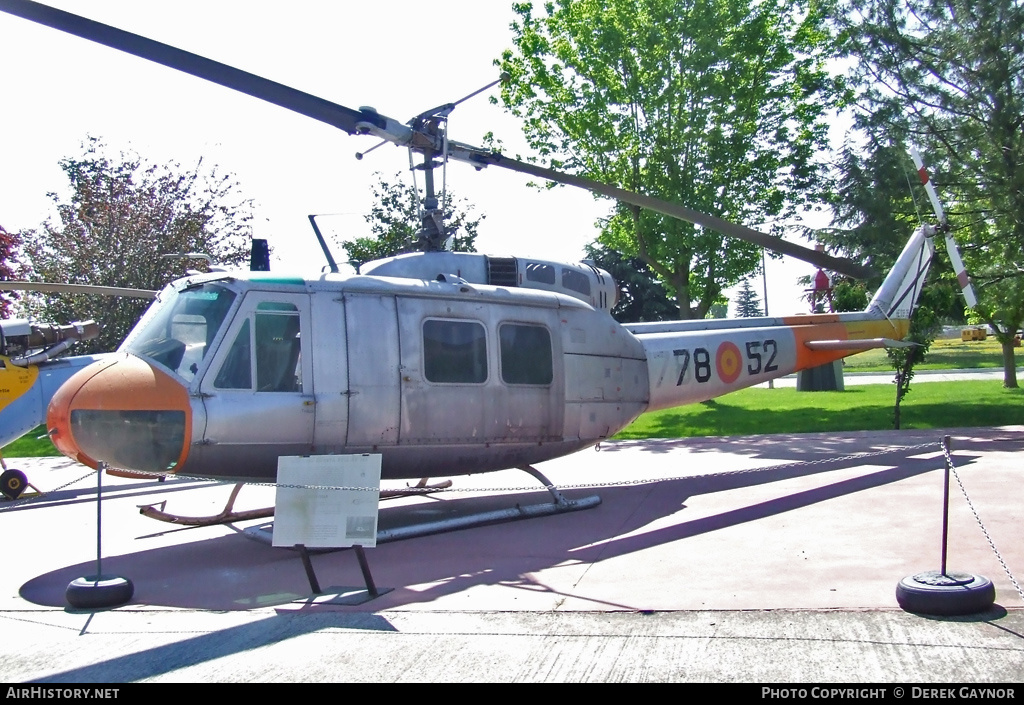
(861,408)
(31,445)
(944,354)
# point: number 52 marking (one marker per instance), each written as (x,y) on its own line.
(754,352)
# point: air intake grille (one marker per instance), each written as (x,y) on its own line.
(502,271)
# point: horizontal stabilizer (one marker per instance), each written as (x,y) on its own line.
(865,344)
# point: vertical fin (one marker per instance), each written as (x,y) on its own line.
(898,295)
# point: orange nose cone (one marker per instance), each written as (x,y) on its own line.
(124,412)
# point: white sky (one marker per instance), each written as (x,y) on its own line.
(400,57)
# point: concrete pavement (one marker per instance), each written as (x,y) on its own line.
(746,559)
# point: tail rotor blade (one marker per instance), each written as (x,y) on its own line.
(929,188)
(961,271)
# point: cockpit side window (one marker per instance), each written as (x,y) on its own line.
(236,372)
(577,281)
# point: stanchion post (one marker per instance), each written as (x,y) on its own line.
(945,504)
(100,467)
(99,591)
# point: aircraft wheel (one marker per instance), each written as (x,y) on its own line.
(946,595)
(95,591)
(13,483)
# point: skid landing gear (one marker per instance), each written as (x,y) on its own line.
(229,515)
(559,505)
(226,516)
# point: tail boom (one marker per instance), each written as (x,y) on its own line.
(693,361)
(686,367)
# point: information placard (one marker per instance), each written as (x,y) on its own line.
(309,513)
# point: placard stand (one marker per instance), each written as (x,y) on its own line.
(329,502)
(364,566)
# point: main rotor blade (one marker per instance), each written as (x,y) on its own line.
(279,94)
(50,288)
(370,122)
(674,210)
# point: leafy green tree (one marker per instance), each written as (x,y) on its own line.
(719,309)
(395,221)
(748,304)
(122,217)
(641,295)
(716,104)
(848,295)
(947,75)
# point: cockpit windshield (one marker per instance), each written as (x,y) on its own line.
(177,331)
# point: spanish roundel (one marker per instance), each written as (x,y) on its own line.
(728,362)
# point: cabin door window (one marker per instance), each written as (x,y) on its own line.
(277,363)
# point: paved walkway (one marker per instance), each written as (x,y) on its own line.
(749,559)
(857,378)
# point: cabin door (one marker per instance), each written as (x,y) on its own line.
(258,391)
(373,370)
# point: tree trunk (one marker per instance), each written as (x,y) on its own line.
(904,373)
(1009,363)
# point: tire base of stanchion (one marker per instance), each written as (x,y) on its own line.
(99,591)
(13,483)
(945,594)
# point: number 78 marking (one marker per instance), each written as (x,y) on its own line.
(684,364)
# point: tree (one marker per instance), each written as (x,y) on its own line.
(948,75)
(748,304)
(395,220)
(716,104)
(719,309)
(641,295)
(11,267)
(123,216)
(875,214)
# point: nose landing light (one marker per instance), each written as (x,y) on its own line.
(124,412)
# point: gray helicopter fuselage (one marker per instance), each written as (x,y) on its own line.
(440,378)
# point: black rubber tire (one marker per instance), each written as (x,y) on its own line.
(95,591)
(13,483)
(972,597)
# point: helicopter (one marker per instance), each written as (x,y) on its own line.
(443,363)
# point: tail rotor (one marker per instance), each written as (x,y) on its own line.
(954,254)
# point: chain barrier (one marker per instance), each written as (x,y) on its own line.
(14,504)
(988,537)
(534,487)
